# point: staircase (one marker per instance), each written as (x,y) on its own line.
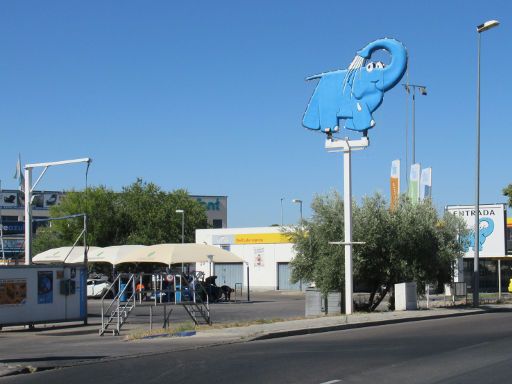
(197,305)
(116,313)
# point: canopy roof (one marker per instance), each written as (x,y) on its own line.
(111,254)
(61,255)
(179,253)
(161,253)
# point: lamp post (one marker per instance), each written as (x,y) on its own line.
(282,198)
(423,92)
(476,272)
(298,201)
(182,231)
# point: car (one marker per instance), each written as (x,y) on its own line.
(97,287)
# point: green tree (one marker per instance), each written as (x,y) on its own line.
(507,191)
(141,214)
(408,243)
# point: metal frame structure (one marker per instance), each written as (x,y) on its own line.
(29,188)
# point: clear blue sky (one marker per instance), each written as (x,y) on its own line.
(209,96)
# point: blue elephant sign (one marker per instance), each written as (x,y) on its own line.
(353,94)
(491,233)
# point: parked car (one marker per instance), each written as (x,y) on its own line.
(97,287)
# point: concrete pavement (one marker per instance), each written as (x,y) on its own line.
(24,351)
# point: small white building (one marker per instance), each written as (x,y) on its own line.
(266,252)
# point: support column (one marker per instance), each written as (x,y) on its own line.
(347,204)
(28,216)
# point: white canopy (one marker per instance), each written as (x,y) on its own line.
(61,255)
(111,254)
(179,253)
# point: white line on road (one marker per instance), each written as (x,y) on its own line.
(331,382)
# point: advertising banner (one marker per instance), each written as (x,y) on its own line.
(394,183)
(491,229)
(8,199)
(13,291)
(426,184)
(44,287)
(414,183)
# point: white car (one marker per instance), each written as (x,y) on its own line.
(97,287)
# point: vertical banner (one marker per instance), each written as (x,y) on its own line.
(394,183)
(414,183)
(426,184)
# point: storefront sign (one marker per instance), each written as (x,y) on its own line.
(491,240)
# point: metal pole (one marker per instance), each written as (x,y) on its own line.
(28,216)
(182,236)
(347,205)
(476,271)
(413,125)
(301,212)
(499,279)
(2,225)
(282,198)
(248,290)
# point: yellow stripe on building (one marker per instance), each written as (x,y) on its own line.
(509,222)
(261,238)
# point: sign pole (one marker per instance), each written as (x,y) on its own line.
(347,146)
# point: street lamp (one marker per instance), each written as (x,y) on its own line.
(282,198)
(476,273)
(298,201)
(182,232)
(423,92)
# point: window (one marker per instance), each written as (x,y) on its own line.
(217,223)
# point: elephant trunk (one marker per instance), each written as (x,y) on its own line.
(394,71)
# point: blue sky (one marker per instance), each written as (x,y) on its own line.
(209,96)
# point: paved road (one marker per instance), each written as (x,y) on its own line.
(263,305)
(471,349)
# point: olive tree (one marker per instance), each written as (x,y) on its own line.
(409,242)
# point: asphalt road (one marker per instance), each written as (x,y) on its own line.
(470,349)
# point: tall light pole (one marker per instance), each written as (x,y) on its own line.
(476,270)
(182,232)
(299,201)
(423,92)
(282,198)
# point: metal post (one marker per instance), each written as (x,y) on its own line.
(1,226)
(413,125)
(347,207)
(282,198)
(248,285)
(150,318)
(347,146)
(476,270)
(28,216)
(499,279)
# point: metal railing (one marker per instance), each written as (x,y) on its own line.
(115,310)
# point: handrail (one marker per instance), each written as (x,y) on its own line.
(112,302)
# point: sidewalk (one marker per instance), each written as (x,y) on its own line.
(30,351)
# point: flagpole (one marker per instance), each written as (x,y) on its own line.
(2,225)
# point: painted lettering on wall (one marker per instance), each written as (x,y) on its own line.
(210,205)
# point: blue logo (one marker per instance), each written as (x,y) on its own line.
(486,229)
(353,94)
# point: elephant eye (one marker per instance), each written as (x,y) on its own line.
(370,66)
(379,65)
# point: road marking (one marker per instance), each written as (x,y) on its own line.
(331,382)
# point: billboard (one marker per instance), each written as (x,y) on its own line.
(492,221)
